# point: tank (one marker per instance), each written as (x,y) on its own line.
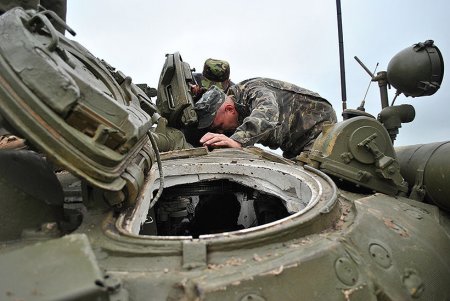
(105,200)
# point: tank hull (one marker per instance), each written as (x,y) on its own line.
(360,247)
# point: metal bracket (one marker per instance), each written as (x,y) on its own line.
(418,190)
(387,166)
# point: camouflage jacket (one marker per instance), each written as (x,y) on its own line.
(279,115)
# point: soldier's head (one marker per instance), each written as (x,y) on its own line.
(215,73)
(216,111)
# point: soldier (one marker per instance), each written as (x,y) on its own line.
(215,73)
(261,110)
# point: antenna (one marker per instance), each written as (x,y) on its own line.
(363,102)
(360,111)
(364,67)
(341,55)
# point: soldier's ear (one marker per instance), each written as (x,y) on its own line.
(230,108)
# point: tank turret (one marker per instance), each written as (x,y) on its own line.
(118,206)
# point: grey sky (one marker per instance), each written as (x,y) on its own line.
(293,40)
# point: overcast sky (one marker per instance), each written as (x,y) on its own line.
(293,40)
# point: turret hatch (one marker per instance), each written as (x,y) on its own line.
(67,103)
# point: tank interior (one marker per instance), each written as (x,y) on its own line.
(220,194)
(211,207)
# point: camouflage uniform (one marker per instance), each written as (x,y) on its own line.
(279,115)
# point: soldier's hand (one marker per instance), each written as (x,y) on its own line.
(218,140)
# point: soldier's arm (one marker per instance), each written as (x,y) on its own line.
(262,120)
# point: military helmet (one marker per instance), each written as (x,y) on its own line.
(215,73)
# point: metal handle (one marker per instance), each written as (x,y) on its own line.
(53,33)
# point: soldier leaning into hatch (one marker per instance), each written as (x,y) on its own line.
(274,113)
(215,73)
